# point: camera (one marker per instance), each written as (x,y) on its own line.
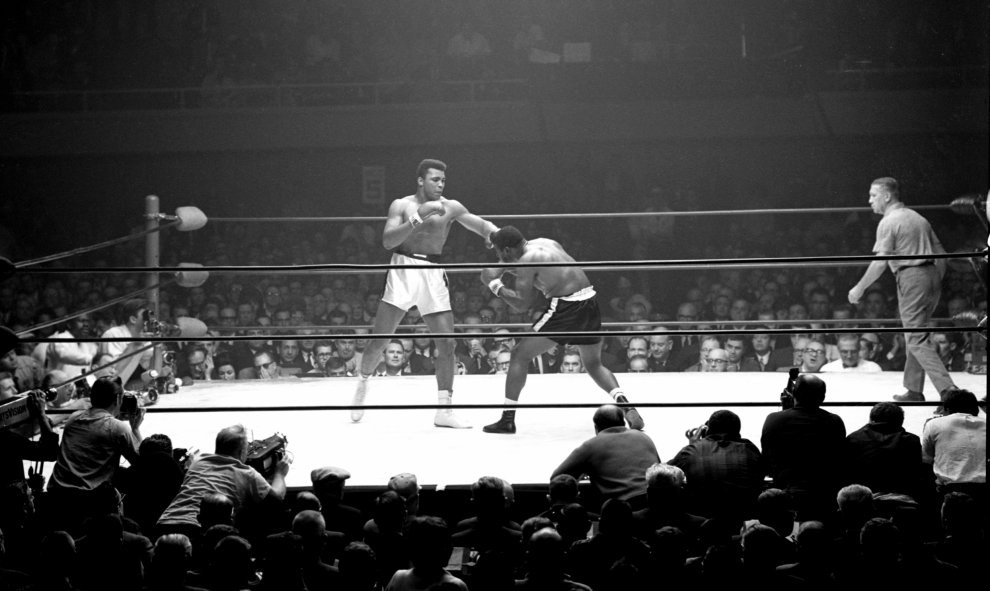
(130,401)
(264,454)
(787,396)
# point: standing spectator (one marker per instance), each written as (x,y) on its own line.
(222,472)
(849,359)
(615,459)
(955,444)
(902,231)
(803,447)
(93,442)
(724,471)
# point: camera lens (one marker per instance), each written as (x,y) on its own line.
(50,394)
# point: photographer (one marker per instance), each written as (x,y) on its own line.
(16,502)
(223,472)
(93,441)
(724,471)
(133,314)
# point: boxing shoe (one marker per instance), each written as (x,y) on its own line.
(445,417)
(633,417)
(362,390)
(910,396)
(503,425)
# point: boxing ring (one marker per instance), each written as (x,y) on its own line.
(554,414)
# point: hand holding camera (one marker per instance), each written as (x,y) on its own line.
(697,434)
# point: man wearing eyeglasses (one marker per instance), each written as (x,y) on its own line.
(813,357)
(717,361)
(265,365)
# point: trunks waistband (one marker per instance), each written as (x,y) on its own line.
(578,296)
(433,258)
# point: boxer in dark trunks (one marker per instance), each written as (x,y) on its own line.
(572,306)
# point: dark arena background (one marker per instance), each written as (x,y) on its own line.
(187,186)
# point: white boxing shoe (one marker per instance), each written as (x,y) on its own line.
(446,418)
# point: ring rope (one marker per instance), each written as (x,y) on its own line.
(557,216)
(297,408)
(91,309)
(92,247)
(548,334)
(682,264)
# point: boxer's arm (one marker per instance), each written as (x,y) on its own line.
(397,229)
(475,223)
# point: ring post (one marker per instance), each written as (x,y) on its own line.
(151,260)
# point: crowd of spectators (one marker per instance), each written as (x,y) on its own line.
(810,508)
(114,44)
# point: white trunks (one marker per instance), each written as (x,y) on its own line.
(424,288)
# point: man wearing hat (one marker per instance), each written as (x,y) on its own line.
(407,487)
(328,486)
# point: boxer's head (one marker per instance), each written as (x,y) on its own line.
(509,243)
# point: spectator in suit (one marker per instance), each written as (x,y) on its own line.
(764,357)
(661,346)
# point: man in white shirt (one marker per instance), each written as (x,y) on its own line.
(849,359)
(132,316)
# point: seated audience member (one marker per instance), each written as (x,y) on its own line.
(615,459)
(955,444)
(215,509)
(661,347)
(571,362)
(951,348)
(358,568)
(665,488)
(151,484)
(311,528)
(589,561)
(105,536)
(231,567)
(394,360)
(225,369)
(774,510)
(329,487)
(707,345)
(803,450)
(25,371)
(563,491)
(56,565)
(963,542)
(224,472)
(429,551)
(345,349)
(849,359)
(407,487)
(282,563)
(545,564)
(724,471)
(855,507)
(735,347)
(384,532)
(814,567)
(814,357)
(761,555)
(764,357)
(883,456)
(266,366)
(170,564)
(290,360)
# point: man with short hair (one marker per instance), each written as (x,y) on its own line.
(222,472)
(803,447)
(76,357)
(950,347)
(25,372)
(735,346)
(884,457)
(849,359)
(394,362)
(93,442)
(572,305)
(615,459)
(724,471)
(571,362)
(636,347)
(266,365)
(902,231)
(707,345)
(685,348)
(717,361)
(814,357)
(661,347)
(345,349)
(764,358)
(955,444)
(416,231)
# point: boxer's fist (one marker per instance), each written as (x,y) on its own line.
(430,208)
(488,275)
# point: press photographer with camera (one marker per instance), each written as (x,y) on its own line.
(134,322)
(16,500)
(225,472)
(93,441)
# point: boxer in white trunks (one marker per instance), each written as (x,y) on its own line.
(415,232)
